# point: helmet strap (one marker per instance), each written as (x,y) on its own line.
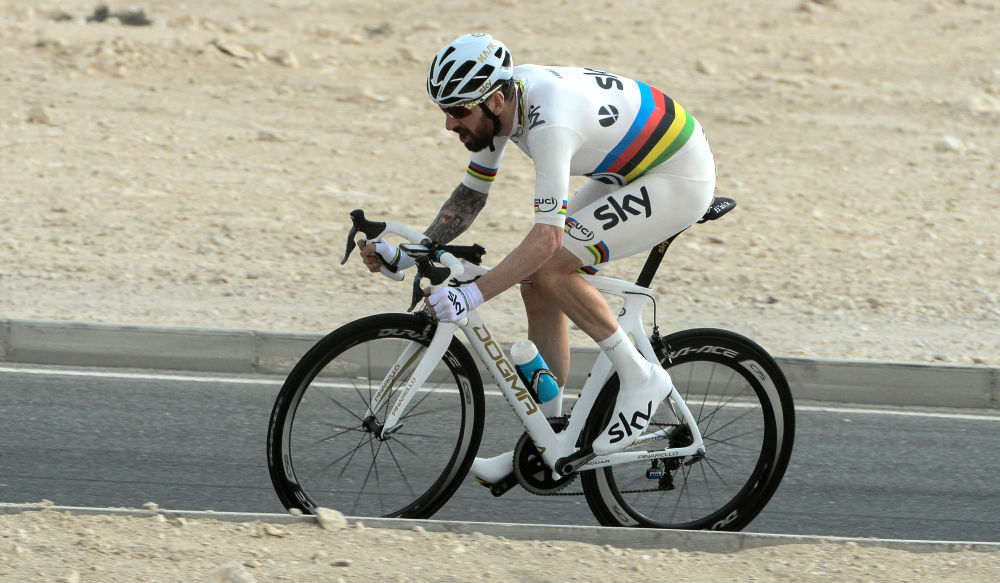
(496,123)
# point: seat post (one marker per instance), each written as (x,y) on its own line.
(653,262)
(720,206)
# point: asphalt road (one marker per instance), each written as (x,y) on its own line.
(116,438)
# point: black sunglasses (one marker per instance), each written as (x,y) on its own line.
(458,111)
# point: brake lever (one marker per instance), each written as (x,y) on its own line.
(371,229)
(437,274)
(418,290)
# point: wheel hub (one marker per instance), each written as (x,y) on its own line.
(371,425)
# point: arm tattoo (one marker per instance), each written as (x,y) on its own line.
(456,214)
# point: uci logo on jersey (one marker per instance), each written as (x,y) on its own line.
(577,231)
(546,204)
(618,212)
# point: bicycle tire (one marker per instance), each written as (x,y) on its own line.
(322,453)
(746,416)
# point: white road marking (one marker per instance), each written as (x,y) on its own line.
(277,381)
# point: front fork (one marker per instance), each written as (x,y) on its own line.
(428,358)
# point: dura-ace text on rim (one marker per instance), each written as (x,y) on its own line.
(323,452)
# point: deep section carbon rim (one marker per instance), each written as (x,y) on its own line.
(324,450)
(744,412)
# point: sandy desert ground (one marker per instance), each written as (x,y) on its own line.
(198,171)
(57,546)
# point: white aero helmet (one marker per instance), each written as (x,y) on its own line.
(469,70)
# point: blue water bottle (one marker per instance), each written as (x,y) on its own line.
(533,370)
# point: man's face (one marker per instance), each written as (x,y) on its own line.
(475,130)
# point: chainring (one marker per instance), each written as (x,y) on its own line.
(529,469)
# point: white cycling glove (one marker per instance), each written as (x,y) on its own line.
(393,257)
(451,304)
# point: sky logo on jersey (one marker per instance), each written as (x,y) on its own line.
(547,204)
(577,231)
(660,128)
(482,172)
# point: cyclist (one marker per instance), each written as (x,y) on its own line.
(652,174)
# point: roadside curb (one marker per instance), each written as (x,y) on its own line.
(220,350)
(633,538)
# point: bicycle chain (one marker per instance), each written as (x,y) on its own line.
(526,447)
(527,462)
(581,493)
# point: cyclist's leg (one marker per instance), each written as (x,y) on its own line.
(559,282)
(548,327)
(586,307)
(644,384)
(626,221)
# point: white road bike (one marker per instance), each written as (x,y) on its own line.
(384,416)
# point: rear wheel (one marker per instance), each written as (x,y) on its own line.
(324,451)
(745,414)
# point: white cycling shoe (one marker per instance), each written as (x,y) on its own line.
(633,411)
(489,471)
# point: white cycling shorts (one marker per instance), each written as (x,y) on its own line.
(605,222)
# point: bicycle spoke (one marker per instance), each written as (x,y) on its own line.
(707,419)
(731,440)
(368,475)
(399,467)
(346,461)
(336,402)
(402,433)
(334,436)
(350,454)
(708,386)
(719,404)
(413,406)
(410,414)
(728,484)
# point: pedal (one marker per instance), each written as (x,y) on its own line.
(501,487)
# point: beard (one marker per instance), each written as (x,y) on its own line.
(479,137)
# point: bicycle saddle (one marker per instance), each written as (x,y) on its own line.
(720,206)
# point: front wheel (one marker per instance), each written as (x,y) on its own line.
(745,414)
(324,447)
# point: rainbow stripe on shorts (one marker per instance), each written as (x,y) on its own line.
(600,253)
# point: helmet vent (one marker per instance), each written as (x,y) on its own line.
(477,80)
(468,68)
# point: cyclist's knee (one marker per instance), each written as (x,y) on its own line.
(550,277)
(538,295)
(531,293)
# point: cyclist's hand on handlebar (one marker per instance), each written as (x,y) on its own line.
(451,304)
(380,253)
